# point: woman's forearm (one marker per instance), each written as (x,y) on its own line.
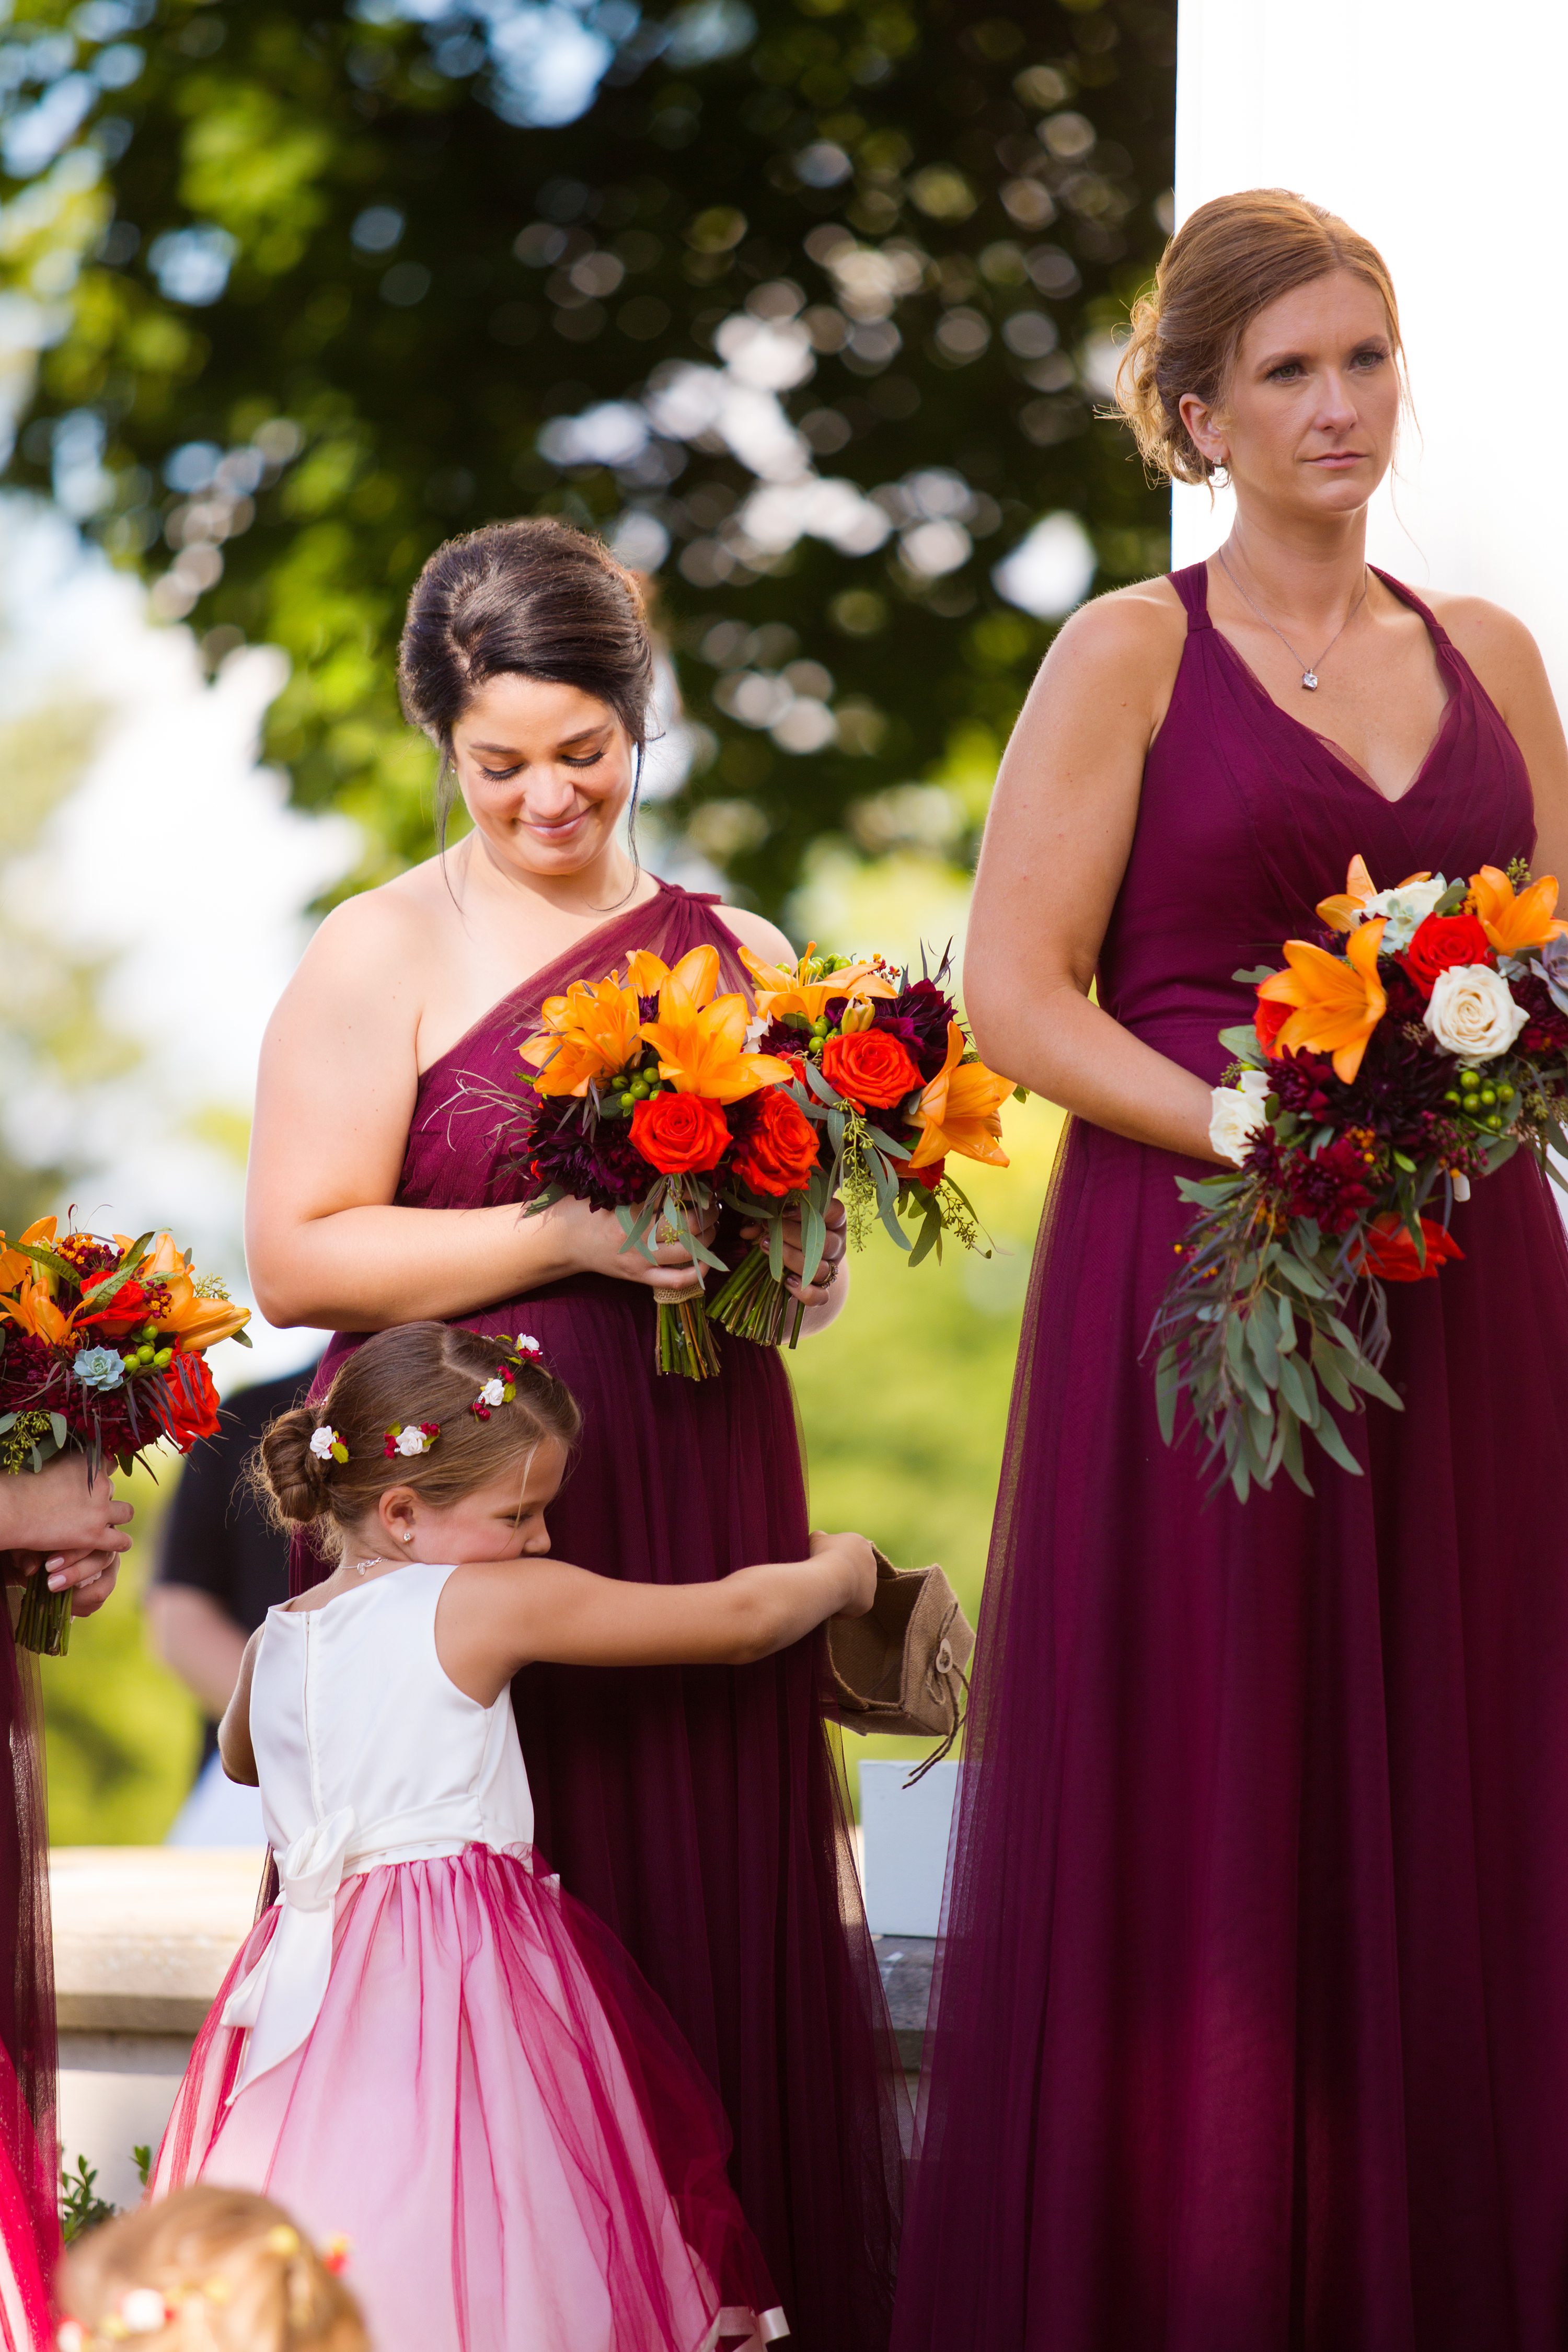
(362,1269)
(1065,1048)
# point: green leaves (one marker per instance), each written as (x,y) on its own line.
(1256,1340)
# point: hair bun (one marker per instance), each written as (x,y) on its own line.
(293,1479)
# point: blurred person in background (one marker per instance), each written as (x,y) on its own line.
(220,1569)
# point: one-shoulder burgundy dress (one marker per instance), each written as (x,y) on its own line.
(1252,2029)
(696,1809)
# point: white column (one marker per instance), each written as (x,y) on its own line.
(1436,128)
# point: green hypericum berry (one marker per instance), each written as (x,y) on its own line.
(625,1103)
(143,1355)
(1488,1096)
(1505,1094)
(164,1358)
(1451,1098)
(1492,1121)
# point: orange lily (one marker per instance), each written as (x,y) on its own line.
(1337,1000)
(801,988)
(35,1310)
(701,1048)
(589,1032)
(1511,922)
(1344,912)
(197,1322)
(960,1110)
(14,1266)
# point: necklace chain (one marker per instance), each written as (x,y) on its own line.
(1308,669)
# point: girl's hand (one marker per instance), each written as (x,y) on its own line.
(858,1562)
(815,1292)
(592,1241)
(60,1510)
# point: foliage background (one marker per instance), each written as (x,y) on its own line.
(808,305)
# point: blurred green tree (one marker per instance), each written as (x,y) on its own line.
(805,303)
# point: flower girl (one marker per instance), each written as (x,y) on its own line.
(424,2045)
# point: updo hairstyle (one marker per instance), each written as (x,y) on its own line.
(234,2273)
(1234,257)
(535,598)
(415,1372)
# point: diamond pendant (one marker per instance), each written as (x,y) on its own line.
(1310,680)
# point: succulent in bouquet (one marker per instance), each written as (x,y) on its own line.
(102,1351)
(883,1086)
(637,1086)
(1402,1057)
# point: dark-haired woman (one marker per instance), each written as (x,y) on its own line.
(1253,2028)
(694,1809)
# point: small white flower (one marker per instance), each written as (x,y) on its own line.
(1238,1113)
(493,1392)
(411,1440)
(1461,1185)
(143,2311)
(1405,909)
(322,1441)
(527,1345)
(1471,1012)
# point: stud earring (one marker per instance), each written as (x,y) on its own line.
(408,1535)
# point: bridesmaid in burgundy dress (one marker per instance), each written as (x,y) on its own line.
(1252,2032)
(696,1810)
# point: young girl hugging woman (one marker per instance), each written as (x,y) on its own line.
(209,2270)
(424,2045)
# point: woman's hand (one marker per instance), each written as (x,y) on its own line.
(824,1295)
(89,1575)
(592,1241)
(61,1512)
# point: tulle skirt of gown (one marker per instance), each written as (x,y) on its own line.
(499,2117)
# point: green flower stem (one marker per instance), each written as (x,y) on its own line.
(44,1625)
(686,1344)
(751,1304)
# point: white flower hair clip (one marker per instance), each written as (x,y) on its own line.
(327,1444)
(496,1390)
(411,1438)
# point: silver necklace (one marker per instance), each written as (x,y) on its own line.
(1308,669)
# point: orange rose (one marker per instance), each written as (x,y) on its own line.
(870,1068)
(779,1152)
(679,1134)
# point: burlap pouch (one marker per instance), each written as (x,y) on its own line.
(900,1668)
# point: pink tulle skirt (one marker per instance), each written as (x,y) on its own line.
(497,2115)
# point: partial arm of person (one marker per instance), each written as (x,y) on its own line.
(496,1616)
(198,1640)
(1506,660)
(336,1093)
(1056,844)
(234,1747)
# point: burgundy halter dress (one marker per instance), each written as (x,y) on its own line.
(1252,2027)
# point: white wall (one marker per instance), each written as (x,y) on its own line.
(1435,128)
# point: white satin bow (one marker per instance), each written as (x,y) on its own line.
(280,1998)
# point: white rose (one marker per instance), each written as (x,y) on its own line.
(527,1345)
(411,1440)
(1405,909)
(1238,1114)
(492,1392)
(143,2311)
(1471,1012)
(322,1442)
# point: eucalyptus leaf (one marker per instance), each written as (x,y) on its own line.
(1334,1447)
(1299,1390)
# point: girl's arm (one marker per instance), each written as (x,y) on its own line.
(336,1093)
(234,1732)
(1056,844)
(497,1615)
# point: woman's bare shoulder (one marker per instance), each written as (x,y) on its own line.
(754,931)
(381,930)
(1139,629)
(1483,630)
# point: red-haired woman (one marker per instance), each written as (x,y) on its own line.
(1253,2034)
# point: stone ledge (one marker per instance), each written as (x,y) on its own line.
(144,1935)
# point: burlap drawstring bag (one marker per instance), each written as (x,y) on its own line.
(900,1668)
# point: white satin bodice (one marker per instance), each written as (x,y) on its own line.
(367,1755)
(350,1707)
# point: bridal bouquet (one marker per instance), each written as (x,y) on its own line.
(656,1097)
(102,1350)
(1384,1072)
(638,1082)
(885,1085)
